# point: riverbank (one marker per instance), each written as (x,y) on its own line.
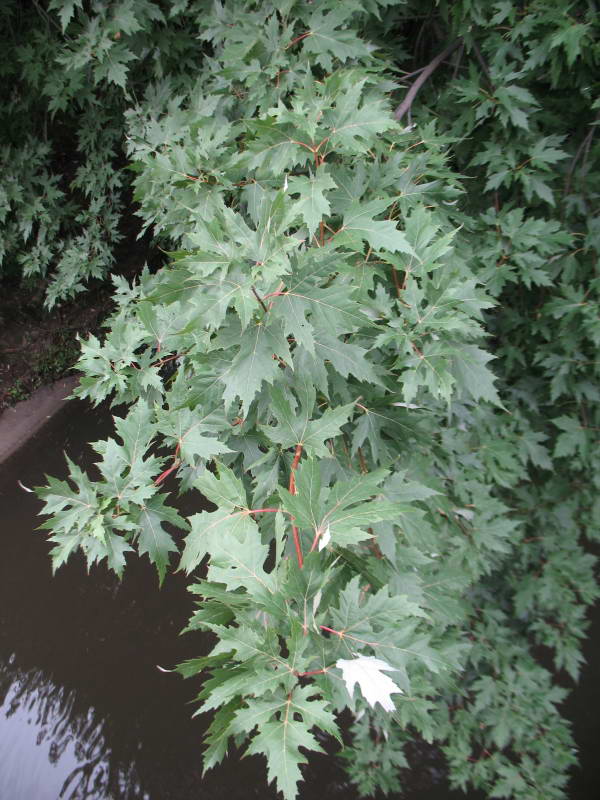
(21,421)
(37,346)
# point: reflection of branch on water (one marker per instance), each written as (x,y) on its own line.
(65,722)
(86,773)
(94,781)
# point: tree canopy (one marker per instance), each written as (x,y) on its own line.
(372,345)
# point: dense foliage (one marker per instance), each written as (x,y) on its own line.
(372,347)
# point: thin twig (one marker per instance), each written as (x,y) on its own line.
(458,60)
(396,281)
(310,672)
(292,490)
(411,74)
(584,147)
(363,463)
(483,65)
(260,300)
(431,67)
(167,472)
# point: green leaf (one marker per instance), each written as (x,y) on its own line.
(65,9)
(472,375)
(284,725)
(296,427)
(329,38)
(256,361)
(136,430)
(153,539)
(223,489)
(272,146)
(572,439)
(208,527)
(571,37)
(306,305)
(338,514)
(312,205)
(188,432)
(117,73)
(345,358)
(359,224)
(357,118)
(116,547)
(237,561)
(218,734)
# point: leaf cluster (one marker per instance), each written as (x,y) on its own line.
(372,348)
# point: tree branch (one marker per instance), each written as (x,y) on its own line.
(483,65)
(431,67)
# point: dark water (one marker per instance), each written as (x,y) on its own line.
(85,713)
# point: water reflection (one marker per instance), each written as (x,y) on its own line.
(54,746)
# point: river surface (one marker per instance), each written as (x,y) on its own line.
(84,712)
